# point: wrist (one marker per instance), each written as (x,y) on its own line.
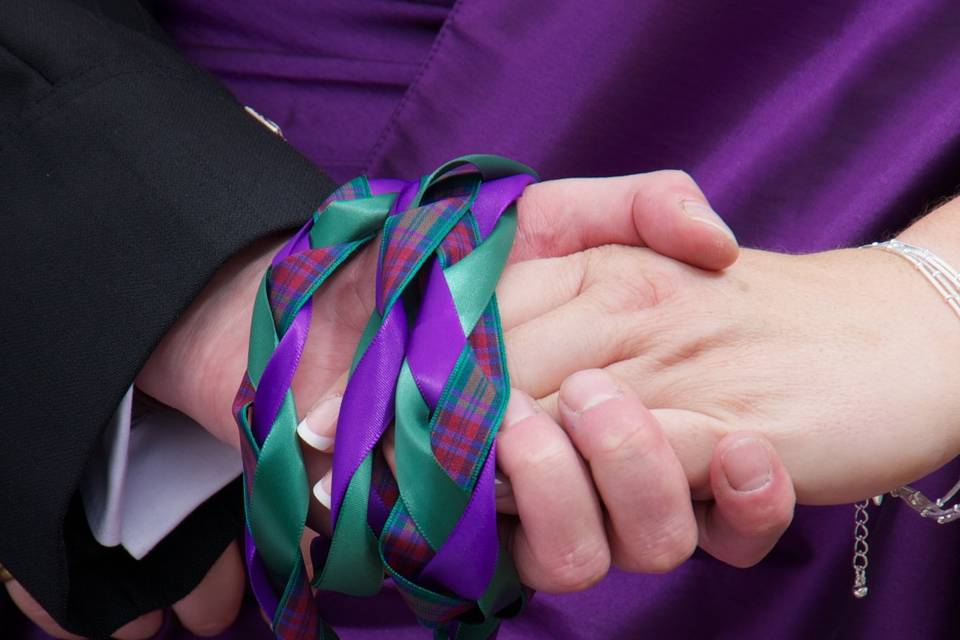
(939,232)
(199,362)
(931,327)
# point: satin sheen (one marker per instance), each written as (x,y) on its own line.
(808,125)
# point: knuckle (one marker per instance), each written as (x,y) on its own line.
(675,178)
(597,262)
(663,550)
(580,568)
(621,280)
(536,226)
(550,454)
(622,438)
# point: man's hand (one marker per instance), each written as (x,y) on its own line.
(198,365)
(206,611)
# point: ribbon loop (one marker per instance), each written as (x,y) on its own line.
(433,368)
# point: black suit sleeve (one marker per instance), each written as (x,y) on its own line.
(127,177)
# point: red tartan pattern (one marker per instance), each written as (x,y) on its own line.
(432,613)
(244,395)
(486,346)
(383,482)
(249,460)
(464,422)
(459,183)
(404,547)
(297,276)
(353,190)
(409,238)
(300,619)
(458,243)
(243,402)
(383,488)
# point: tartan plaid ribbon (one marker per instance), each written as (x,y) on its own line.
(431,365)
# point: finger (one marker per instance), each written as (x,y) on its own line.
(503,493)
(530,289)
(692,436)
(318,427)
(644,489)
(317,431)
(213,604)
(608,320)
(560,544)
(146,626)
(579,335)
(37,614)
(753,503)
(664,210)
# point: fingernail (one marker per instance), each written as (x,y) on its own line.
(319,425)
(501,486)
(588,388)
(520,407)
(747,465)
(703,214)
(321,490)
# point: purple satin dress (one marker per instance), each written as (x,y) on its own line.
(809,125)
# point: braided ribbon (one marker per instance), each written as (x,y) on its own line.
(431,364)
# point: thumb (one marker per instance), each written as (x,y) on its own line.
(753,502)
(663,210)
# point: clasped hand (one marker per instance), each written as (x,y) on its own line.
(658,402)
(595,482)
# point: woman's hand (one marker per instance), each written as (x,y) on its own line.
(845,360)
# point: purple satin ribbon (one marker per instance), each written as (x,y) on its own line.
(466,561)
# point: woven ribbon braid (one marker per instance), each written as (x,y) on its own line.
(431,364)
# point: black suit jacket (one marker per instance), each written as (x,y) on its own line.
(127,176)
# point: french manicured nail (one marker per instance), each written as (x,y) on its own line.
(702,213)
(747,465)
(520,407)
(319,425)
(321,490)
(587,389)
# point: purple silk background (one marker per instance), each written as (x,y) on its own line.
(809,125)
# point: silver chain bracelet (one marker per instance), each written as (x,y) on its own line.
(945,280)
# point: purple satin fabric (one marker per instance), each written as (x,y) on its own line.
(279,372)
(365,405)
(466,561)
(437,338)
(809,126)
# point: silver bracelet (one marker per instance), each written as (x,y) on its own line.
(946,280)
(941,275)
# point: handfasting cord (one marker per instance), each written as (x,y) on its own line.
(431,364)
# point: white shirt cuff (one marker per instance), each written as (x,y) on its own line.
(149,473)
